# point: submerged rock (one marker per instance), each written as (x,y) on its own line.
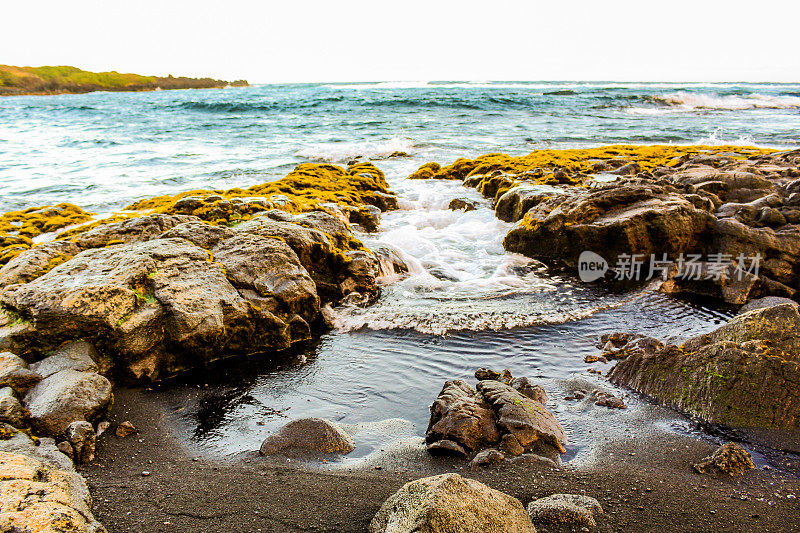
(449,503)
(309,434)
(462,204)
(729,459)
(742,374)
(566,510)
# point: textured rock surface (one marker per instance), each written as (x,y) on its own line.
(162,293)
(666,200)
(565,509)
(504,412)
(729,459)
(38,493)
(65,397)
(743,374)
(450,503)
(461,421)
(310,434)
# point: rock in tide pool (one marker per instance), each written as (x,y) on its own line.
(309,434)
(742,375)
(565,509)
(504,412)
(449,503)
(729,459)
(65,397)
(461,422)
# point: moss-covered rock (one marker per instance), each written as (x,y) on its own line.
(742,375)
(19,228)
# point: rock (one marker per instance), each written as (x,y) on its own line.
(487,457)
(729,459)
(14,373)
(65,397)
(606,399)
(103,426)
(66,448)
(461,421)
(125,429)
(527,419)
(310,434)
(740,375)
(82,438)
(450,503)
(11,410)
(77,355)
(565,509)
(615,220)
(463,204)
(366,216)
(39,496)
(763,303)
(514,203)
(510,445)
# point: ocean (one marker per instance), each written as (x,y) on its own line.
(466,303)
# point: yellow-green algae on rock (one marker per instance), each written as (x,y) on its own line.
(304,189)
(308,187)
(542,165)
(19,228)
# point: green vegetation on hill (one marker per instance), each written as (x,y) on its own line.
(56,80)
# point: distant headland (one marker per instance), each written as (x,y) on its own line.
(72,80)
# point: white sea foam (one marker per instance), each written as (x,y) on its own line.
(344,151)
(718,138)
(691,101)
(459,276)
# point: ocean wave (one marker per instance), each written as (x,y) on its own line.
(345,151)
(691,101)
(717,138)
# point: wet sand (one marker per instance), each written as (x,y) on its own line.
(642,487)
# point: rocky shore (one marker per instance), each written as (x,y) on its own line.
(656,206)
(175,283)
(169,285)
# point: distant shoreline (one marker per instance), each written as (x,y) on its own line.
(44,81)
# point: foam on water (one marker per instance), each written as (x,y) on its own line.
(691,101)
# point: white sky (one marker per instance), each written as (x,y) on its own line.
(369,40)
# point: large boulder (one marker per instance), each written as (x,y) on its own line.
(162,293)
(65,397)
(614,220)
(448,503)
(309,434)
(743,374)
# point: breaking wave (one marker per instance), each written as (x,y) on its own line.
(691,101)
